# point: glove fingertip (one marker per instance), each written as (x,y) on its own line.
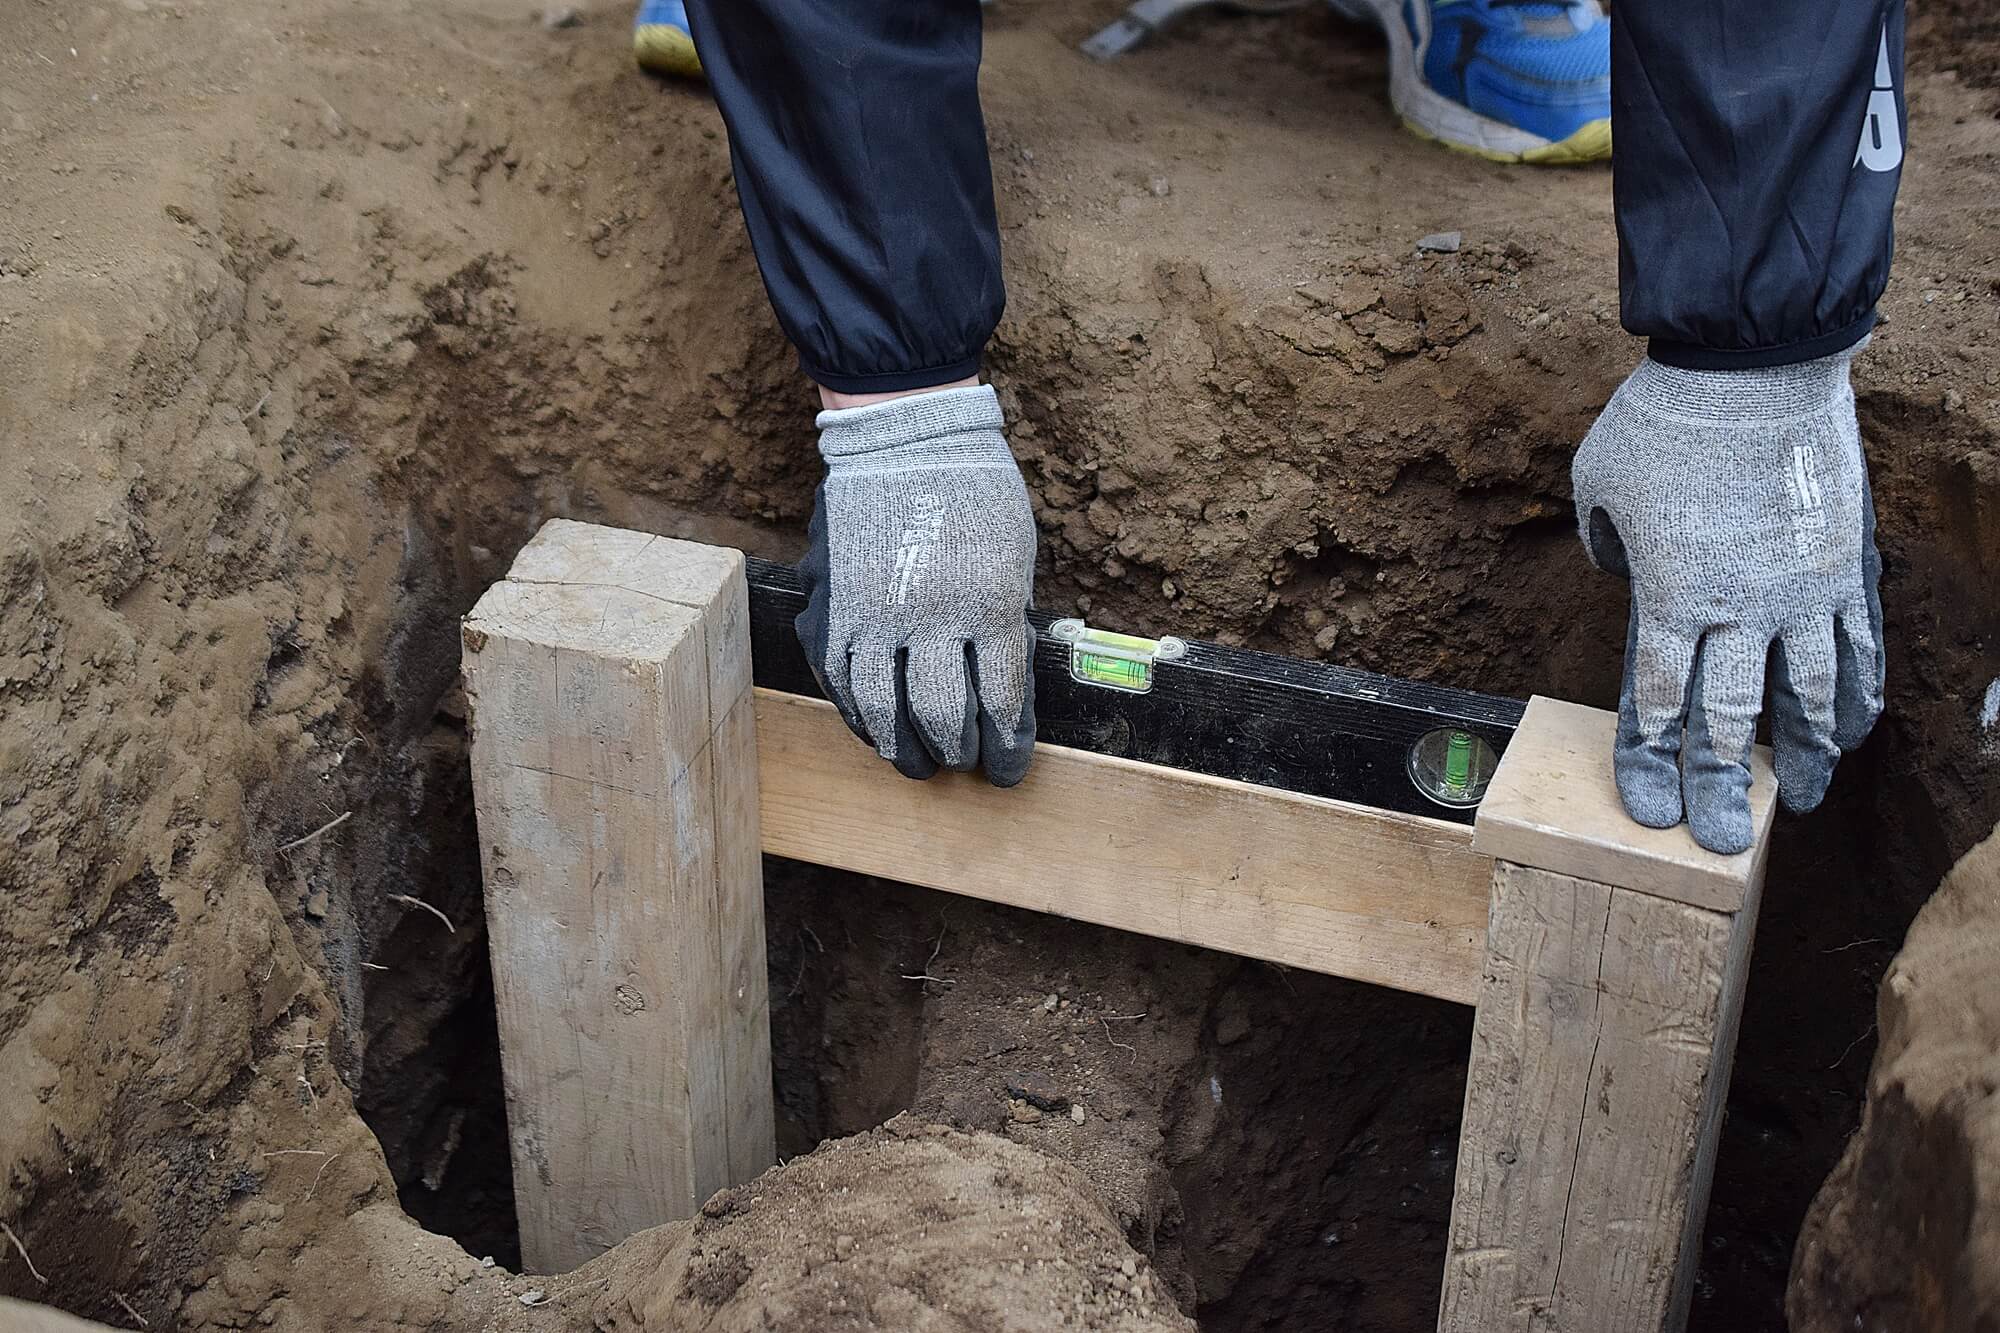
(912,761)
(1010,764)
(1719,817)
(1803,782)
(937,683)
(1647,771)
(1715,779)
(1721,832)
(911,756)
(1854,720)
(1007,752)
(1003,679)
(1648,799)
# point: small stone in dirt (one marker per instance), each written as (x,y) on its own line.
(534,1296)
(1327,638)
(1049,1004)
(316,904)
(1442,242)
(1077,1113)
(562,16)
(1161,187)
(1022,1113)
(1130,1268)
(1321,292)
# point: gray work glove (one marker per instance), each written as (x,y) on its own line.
(1737,503)
(922,565)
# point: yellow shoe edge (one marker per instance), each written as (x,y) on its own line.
(1590,143)
(665,49)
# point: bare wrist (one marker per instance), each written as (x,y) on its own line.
(833,401)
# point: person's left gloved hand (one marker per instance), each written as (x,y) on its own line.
(1737,503)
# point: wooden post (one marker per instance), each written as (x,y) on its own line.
(1615,963)
(615,776)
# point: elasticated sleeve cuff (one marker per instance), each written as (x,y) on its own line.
(1693,356)
(892,381)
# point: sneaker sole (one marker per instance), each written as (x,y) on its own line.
(1431,115)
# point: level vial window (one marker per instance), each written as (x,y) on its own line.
(1452,766)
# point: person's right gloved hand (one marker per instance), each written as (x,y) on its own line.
(922,566)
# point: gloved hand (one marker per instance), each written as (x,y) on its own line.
(1737,503)
(922,564)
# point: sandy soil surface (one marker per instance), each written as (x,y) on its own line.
(312,311)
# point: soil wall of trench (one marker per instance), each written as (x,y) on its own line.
(313,316)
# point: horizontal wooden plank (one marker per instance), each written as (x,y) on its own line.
(1393,899)
(1553,805)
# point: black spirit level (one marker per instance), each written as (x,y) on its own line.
(1257,717)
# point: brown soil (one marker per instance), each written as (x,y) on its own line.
(1906,1232)
(911,1226)
(312,313)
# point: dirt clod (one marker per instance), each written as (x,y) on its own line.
(1906,1232)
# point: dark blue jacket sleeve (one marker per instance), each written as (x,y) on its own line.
(860,157)
(1758,145)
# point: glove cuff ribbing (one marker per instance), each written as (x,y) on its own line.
(1739,397)
(946,427)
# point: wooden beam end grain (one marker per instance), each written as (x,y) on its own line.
(1553,805)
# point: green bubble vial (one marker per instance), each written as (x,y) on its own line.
(1452,766)
(1113,661)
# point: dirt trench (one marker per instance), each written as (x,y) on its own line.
(321,311)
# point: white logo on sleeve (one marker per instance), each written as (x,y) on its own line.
(1881,147)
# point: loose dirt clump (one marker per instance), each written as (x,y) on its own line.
(1906,1232)
(313,313)
(911,1226)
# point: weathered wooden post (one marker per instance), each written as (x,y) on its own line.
(1615,964)
(615,775)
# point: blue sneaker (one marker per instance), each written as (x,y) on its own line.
(1510,80)
(660,39)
